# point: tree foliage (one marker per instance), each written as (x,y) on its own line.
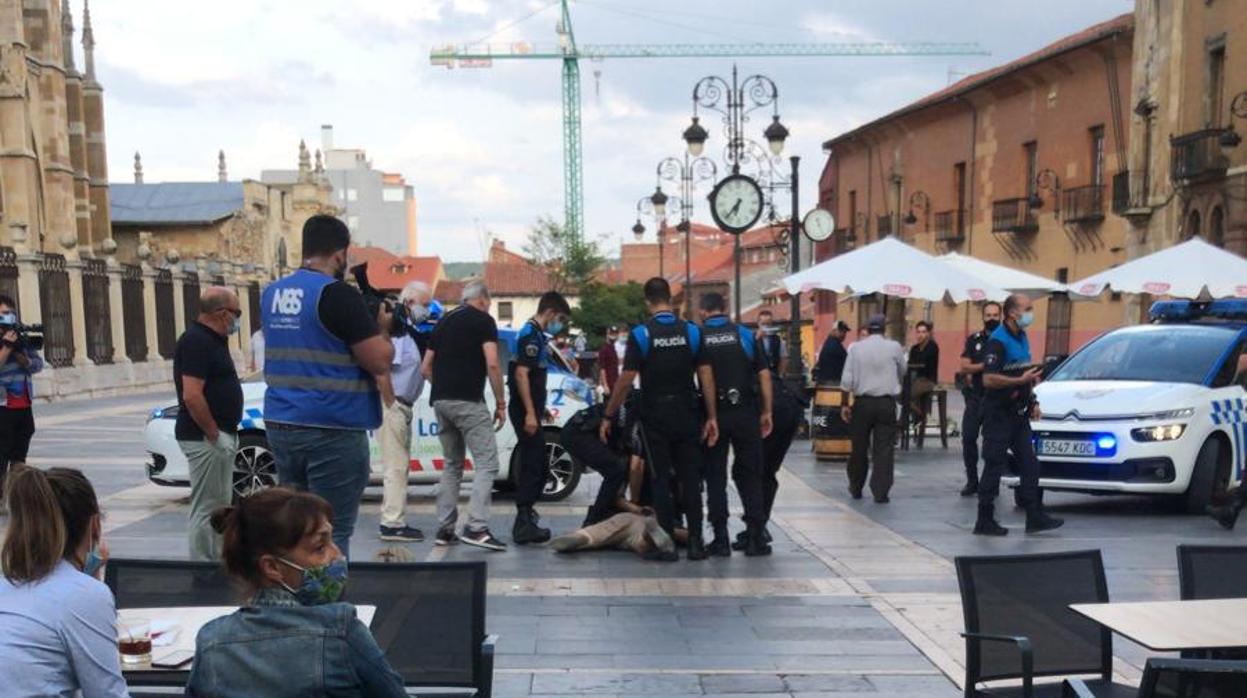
(573,263)
(603,305)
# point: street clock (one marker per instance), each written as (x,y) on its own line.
(818,225)
(736,203)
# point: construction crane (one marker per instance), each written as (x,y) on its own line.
(566,50)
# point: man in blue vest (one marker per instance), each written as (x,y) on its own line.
(742,384)
(666,352)
(1009,404)
(323,355)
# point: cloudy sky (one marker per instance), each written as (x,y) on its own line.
(483,147)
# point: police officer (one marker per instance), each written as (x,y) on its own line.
(772,344)
(527,410)
(972,391)
(665,352)
(323,354)
(788,409)
(738,364)
(1008,406)
(580,437)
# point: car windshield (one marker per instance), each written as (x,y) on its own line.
(1162,353)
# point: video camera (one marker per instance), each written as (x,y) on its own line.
(375,300)
(28,336)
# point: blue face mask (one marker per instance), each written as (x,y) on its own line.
(235,324)
(93,563)
(1027,318)
(554,327)
(321,585)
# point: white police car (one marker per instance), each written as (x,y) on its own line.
(1151,409)
(254,468)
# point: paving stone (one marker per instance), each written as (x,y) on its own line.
(594,683)
(830,683)
(742,683)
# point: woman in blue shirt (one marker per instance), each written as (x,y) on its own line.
(293,638)
(57,632)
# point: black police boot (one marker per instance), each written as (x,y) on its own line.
(1037,521)
(526,529)
(756,544)
(971,489)
(986,525)
(696,545)
(721,546)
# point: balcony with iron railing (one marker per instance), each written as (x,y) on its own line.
(1083,204)
(950,225)
(1013,216)
(883,225)
(1121,192)
(1198,155)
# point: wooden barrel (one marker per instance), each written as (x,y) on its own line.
(831,433)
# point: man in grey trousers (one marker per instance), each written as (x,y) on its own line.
(209,409)
(462,352)
(873,373)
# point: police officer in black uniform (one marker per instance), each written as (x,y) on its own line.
(972,391)
(742,384)
(527,410)
(610,460)
(1009,376)
(666,351)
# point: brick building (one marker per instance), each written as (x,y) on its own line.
(1012,165)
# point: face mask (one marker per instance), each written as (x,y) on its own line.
(418,313)
(235,324)
(321,585)
(1027,318)
(991,325)
(555,327)
(93,563)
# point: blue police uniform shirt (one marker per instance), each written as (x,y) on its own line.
(1005,353)
(312,378)
(532,349)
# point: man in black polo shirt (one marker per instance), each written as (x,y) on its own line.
(209,409)
(463,351)
(972,390)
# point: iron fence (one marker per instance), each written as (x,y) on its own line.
(97,311)
(950,225)
(133,312)
(8,275)
(1198,155)
(57,307)
(166,320)
(1083,204)
(190,297)
(1013,216)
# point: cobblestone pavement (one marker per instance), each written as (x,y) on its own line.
(859,598)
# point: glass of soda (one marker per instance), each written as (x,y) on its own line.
(134,640)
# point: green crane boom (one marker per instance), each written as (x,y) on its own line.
(483,56)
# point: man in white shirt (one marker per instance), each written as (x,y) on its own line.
(398,396)
(872,373)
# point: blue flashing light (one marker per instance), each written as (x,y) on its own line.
(1106,442)
(1228,309)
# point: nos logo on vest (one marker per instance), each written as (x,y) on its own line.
(288,301)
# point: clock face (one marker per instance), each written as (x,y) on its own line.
(819,225)
(736,204)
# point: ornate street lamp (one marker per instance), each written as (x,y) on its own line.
(646,206)
(689,172)
(1046,180)
(921,200)
(695,136)
(1230,139)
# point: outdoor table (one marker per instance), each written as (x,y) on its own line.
(189,620)
(1174,626)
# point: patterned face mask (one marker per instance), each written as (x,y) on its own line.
(321,585)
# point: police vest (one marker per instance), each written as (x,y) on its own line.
(668,348)
(1017,349)
(312,378)
(1017,355)
(533,350)
(730,350)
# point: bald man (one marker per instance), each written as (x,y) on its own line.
(209,409)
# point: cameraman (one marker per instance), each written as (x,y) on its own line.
(18,363)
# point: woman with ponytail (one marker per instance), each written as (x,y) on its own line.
(57,632)
(279,544)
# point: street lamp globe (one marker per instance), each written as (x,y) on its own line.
(695,135)
(659,200)
(775,135)
(638,230)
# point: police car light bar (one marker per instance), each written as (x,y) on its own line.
(1233,309)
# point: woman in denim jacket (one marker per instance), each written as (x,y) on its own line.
(293,638)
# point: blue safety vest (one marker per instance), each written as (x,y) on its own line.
(312,378)
(1017,349)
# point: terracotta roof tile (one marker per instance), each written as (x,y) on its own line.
(508,279)
(449,291)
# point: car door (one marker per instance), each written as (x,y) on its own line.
(1228,393)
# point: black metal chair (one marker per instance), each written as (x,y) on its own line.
(170,584)
(1179,678)
(430,621)
(1212,572)
(1019,624)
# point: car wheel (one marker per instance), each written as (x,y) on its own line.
(563,474)
(255,469)
(1209,478)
